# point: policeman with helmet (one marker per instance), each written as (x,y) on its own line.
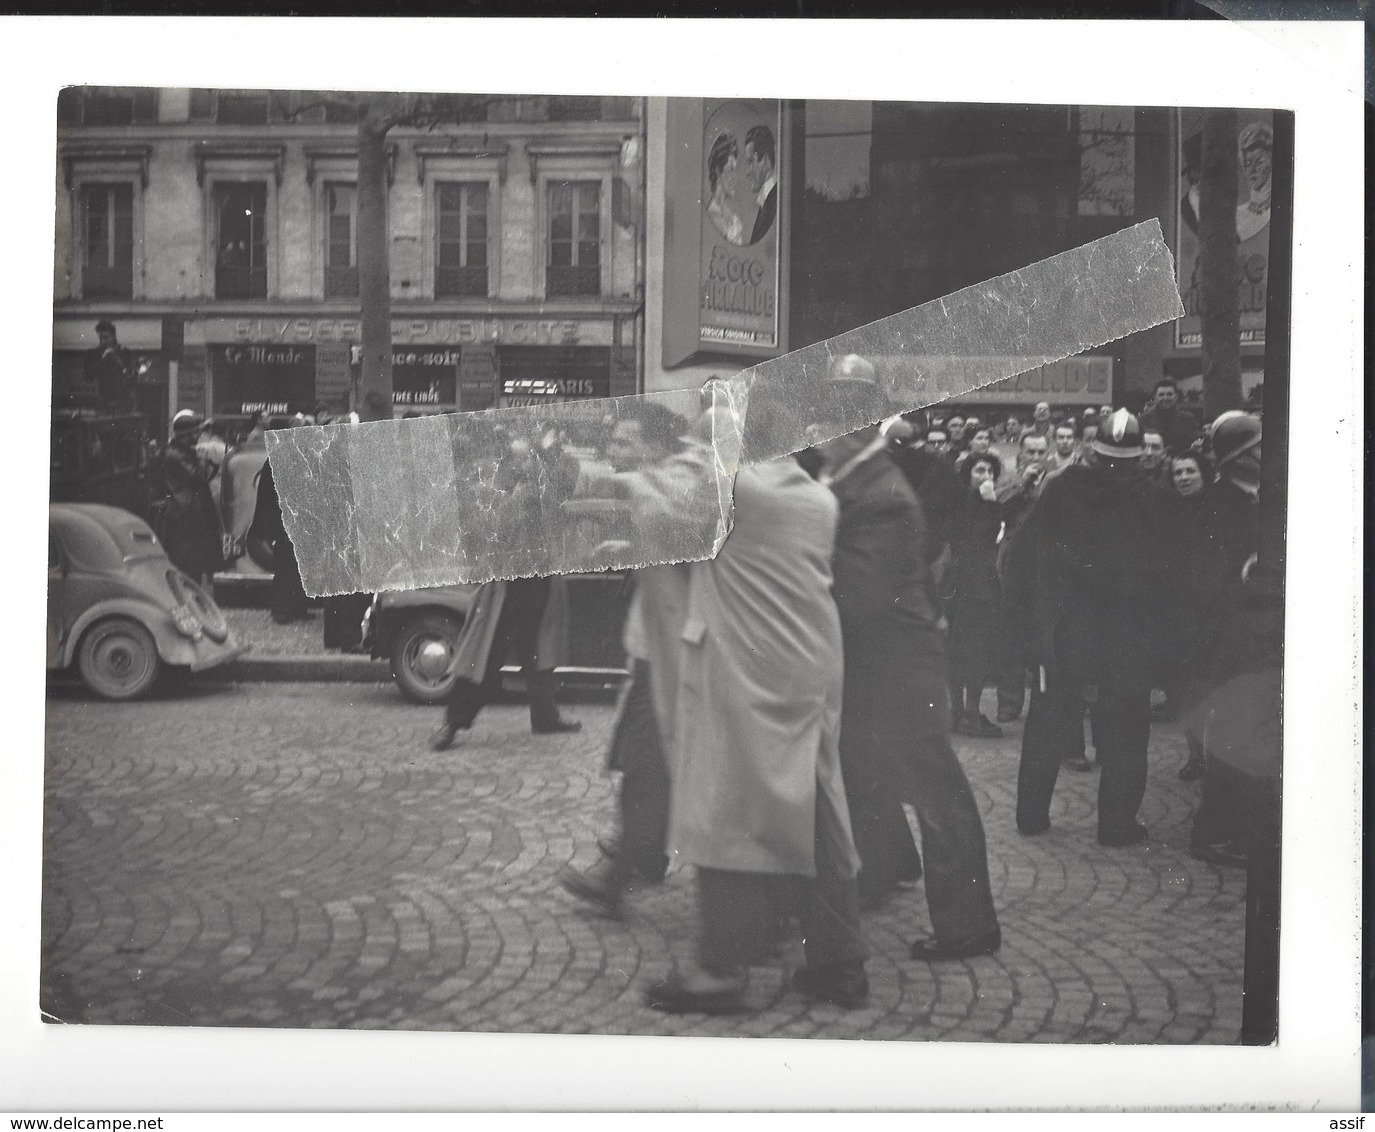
(1084,589)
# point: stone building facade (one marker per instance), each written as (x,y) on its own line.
(218,231)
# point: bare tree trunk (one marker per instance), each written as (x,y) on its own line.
(374,270)
(1220,314)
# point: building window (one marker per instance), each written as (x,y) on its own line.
(575,108)
(241,240)
(107,266)
(243,109)
(202,104)
(109,108)
(106,106)
(337,110)
(341,241)
(574,264)
(461,255)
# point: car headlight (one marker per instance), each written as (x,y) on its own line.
(186,621)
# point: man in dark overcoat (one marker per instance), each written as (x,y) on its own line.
(1083,590)
(895,719)
(190,525)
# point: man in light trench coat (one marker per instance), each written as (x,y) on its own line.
(748,698)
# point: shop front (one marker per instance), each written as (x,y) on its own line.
(258,378)
(143,354)
(291,365)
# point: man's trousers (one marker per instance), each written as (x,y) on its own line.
(1054,729)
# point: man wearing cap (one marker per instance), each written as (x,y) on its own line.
(111,370)
(1084,589)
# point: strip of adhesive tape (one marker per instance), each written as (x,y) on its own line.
(623,482)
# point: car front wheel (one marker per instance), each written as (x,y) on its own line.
(118,659)
(422,657)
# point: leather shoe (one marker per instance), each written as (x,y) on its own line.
(1120,838)
(1191,771)
(1007,715)
(595,890)
(698,993)
(1028,830)
(978,726)
(932,949)
(559,727)
(443,738)
(843,986)
(1077,763)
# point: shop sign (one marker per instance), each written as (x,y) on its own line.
(414,331)
(742,198)
(258,378)
(1072,381)
(477,378)
(263,356)
(333,373)
(1255,156)
(542,389)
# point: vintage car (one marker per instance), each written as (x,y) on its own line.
(119,610)
(417,631)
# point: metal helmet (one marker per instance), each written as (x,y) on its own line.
(1233,434)
(1119,436)
(186,420)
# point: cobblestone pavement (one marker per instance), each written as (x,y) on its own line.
(295,855)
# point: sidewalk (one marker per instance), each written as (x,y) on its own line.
(294,652)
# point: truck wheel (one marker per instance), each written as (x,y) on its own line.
(117,659)
(422,657)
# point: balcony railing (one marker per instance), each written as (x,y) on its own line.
(241,282)
(463,282)
(107,282)
(580,280)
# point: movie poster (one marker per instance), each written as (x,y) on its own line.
(742,213)
(1255,146)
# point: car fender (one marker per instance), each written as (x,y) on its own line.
(173,648)
(397,607)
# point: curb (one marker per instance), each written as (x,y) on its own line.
(341,669)
(351,668)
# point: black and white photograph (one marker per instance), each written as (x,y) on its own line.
(423,652)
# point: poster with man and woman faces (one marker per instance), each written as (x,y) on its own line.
(741,203)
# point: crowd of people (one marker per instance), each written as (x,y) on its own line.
(792,696)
